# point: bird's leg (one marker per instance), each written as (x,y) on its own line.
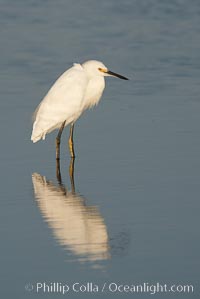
(71,174)
(58,173)
(58,141)
(71,142)
(59,177)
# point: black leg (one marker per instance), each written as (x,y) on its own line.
(58,173)
(58,141)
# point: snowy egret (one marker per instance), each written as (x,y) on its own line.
(76,90)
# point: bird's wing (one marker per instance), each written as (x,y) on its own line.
(62,102)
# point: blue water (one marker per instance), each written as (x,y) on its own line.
(133,217)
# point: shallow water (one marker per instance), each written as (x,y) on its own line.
(133,214)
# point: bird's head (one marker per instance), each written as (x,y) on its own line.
(95,68)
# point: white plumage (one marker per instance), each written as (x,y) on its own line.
(77,89)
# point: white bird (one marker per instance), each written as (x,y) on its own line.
(76,90)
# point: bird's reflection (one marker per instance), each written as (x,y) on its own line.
(77,226)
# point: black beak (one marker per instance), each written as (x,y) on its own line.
(117,75)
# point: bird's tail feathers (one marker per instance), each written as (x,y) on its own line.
(38,137)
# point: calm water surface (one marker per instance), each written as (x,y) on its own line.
(131,215)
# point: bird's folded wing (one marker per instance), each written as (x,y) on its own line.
(62,102)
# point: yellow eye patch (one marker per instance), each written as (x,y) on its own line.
(102,70)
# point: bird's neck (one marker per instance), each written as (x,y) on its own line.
(94,91)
